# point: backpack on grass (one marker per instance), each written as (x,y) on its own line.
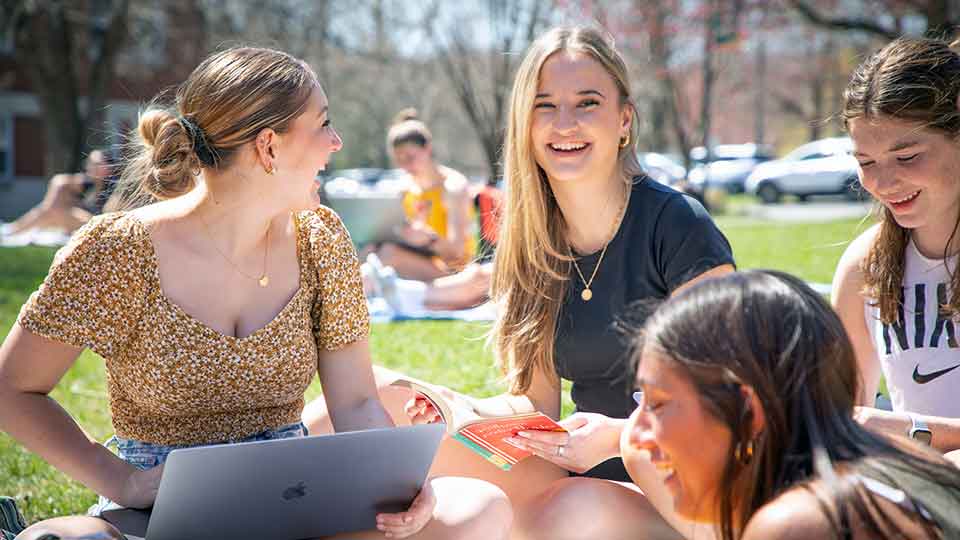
(11,520)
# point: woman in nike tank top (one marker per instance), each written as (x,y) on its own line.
(897,287)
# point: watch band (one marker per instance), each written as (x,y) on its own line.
(919,430)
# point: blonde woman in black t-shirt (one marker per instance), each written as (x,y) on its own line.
(585,234)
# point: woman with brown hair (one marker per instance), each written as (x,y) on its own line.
(214,305)
(747,385)
(439,237)
(897,287)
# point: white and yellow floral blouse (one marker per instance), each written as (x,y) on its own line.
(173,380)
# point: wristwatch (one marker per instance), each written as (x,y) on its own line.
(919,431)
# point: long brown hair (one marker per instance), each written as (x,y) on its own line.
(531,263)
(771,332)
(224,103)
(915,80)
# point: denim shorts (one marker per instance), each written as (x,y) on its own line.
(144,455)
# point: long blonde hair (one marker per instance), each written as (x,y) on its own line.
(222,105)
(531,265)
(915,80)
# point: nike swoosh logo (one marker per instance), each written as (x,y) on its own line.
(924,378)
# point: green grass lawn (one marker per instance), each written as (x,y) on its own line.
(451,353)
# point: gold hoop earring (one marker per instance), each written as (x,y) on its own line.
(743,452)
(272,170)
(624,141)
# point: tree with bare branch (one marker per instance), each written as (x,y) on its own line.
(479,62)
(941,17)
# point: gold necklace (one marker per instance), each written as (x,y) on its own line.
(263,280)
(587,293)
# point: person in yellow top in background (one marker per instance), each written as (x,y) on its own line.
(438,239)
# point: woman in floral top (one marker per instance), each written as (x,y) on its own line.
(214,305)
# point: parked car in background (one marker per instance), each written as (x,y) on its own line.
(727,166)
(364,181)
(363,175)
(822,167)
(662,168)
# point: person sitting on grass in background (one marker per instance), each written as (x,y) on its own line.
(466,289)
(747,386)
(897,286)
(235,280)
(70,201)
(438,239)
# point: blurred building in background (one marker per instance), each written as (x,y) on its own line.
(59,59)
(706,73)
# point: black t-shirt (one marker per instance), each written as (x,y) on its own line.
(665,239)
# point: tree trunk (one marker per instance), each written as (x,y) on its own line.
(659,111)
(760,92)
(46,36)
(459,59)
(49,39)
(939,22)
(818,87)
(102,72)
(679,130)
(708,77)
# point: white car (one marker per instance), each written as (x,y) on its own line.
(727,166)
(822,167)
(661,168)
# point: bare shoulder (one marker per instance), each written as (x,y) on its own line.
(858,249)
(69,178)
(455,183)
(848,278)
(796,514)
(160,213)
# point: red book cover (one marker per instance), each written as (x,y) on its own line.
(490,433)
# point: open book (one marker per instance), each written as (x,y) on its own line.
(482,432)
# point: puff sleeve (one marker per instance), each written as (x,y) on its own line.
(94,292)
(339,314)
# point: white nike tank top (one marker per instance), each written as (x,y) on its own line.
(920,354)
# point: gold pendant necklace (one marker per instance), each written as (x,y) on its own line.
(587,293)
(263,280)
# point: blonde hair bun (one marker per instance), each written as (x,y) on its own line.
(172,160)
(405,115)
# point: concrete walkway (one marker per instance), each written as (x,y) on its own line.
(807,212)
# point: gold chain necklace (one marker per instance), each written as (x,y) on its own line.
(587,293)
(263,280)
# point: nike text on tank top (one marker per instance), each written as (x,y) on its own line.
(920,353)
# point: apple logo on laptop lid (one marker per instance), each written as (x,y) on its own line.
(295,492)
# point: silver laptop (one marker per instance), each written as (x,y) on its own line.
(370,217)
(286,489)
